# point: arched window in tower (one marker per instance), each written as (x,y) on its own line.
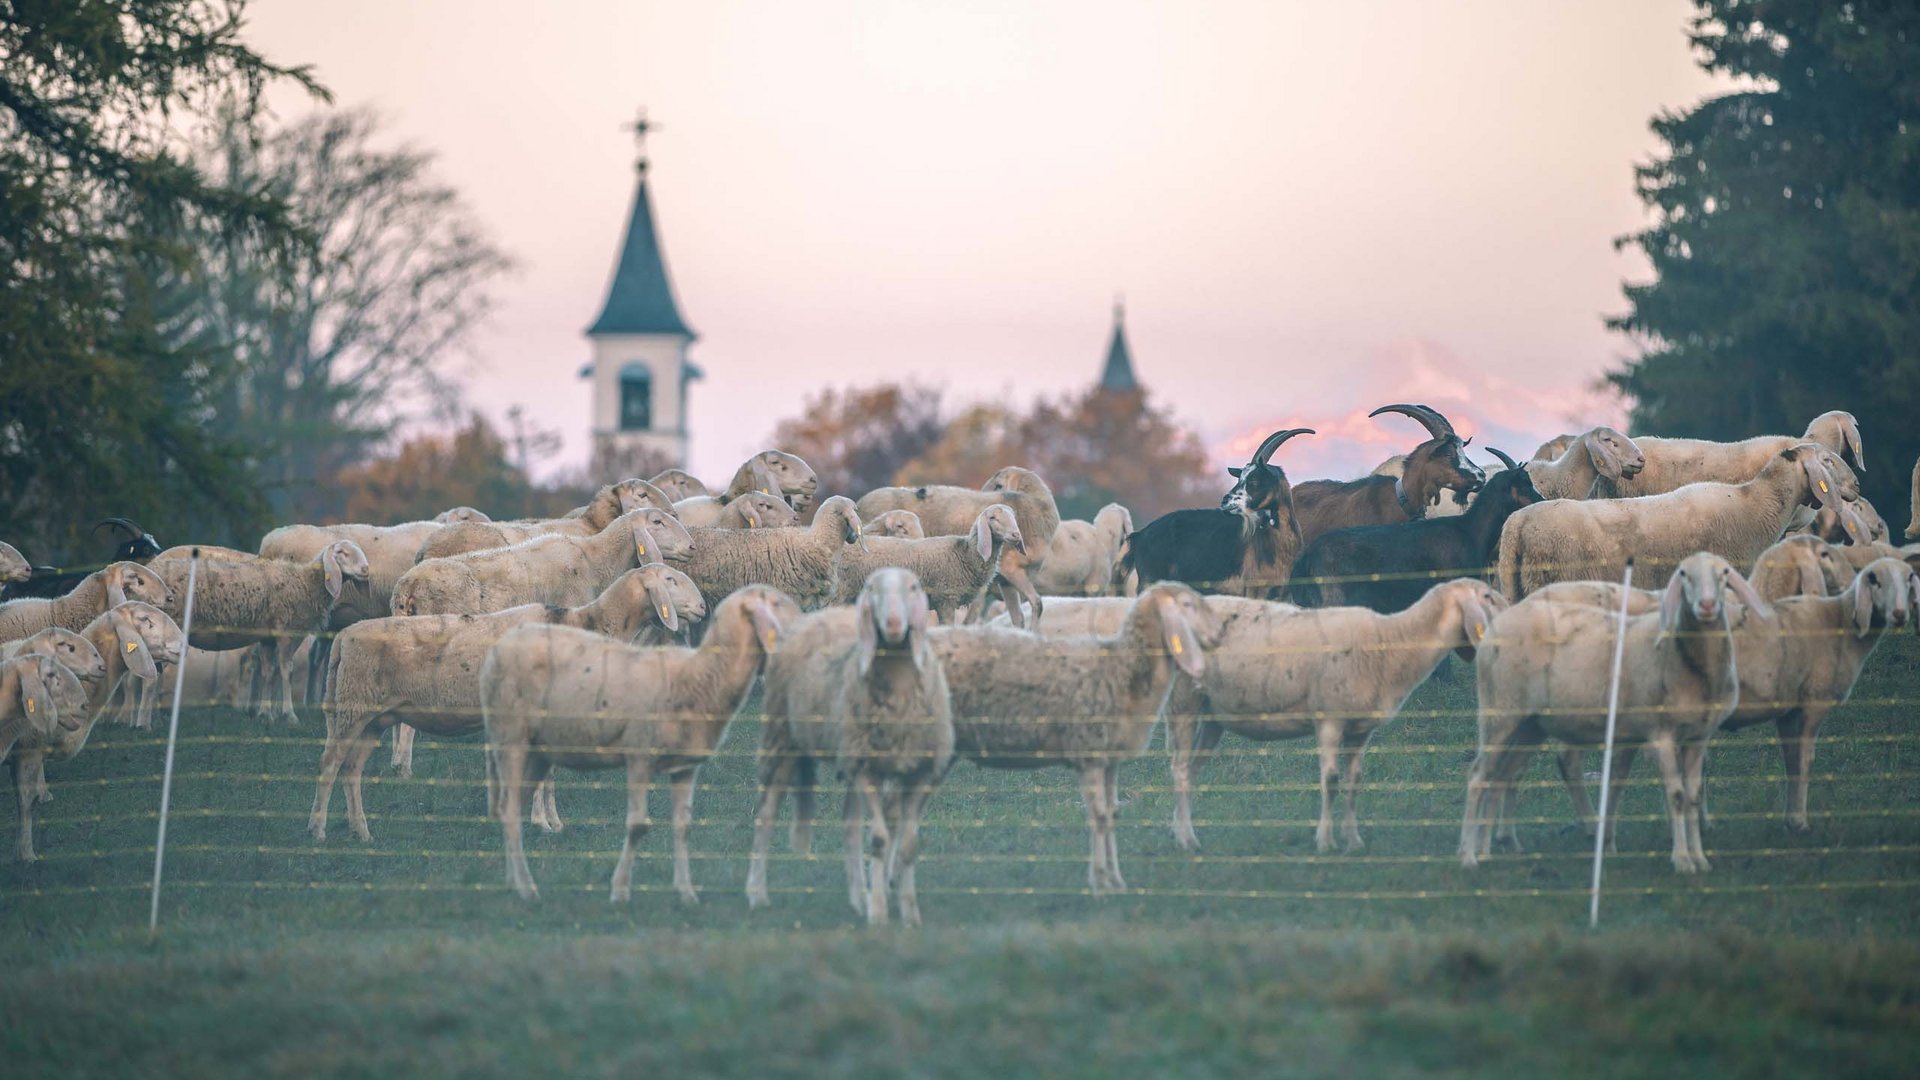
(636,397)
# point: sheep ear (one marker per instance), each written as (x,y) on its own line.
(1850,432)
(869,633)
(662,599)
(766,625)
(1860,603)
(1743,589)
(1670,603)
(1818,478)
(116,587)
(133,647)
(33,694)
(1475,620)
(330,558)
(1605,461)
(643,541)
(763,480)
(1180,641)
(983,537)
(919,614)
(753,520)
(1811,583)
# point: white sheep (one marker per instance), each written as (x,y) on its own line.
(550,569)
(423,670)
(861,688)
(130,639)
(679,484)
(954,571)
(1567,540)
(770,472)
(950,511)
(1674,463)
(1084,553)
(391,550)
(904,524)
(557,695)
(1337,675)
(798,562)
(115,583)
(39,695)
(13,565)
(1023,701)
(1544,671)
(607,504)
(242,600)
(757,510)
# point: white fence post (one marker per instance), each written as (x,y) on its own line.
(1606,750)
(173,734)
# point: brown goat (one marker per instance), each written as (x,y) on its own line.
(1321,506)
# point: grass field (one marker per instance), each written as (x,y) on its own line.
(282,956)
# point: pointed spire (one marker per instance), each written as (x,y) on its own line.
(640,298)
(1118,373)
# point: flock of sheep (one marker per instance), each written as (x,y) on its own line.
(895,634)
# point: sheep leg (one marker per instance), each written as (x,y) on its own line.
(1572,764)
(775,776)
(402,759)
(1093,794)
(1622,764)
(1506,795)
(253,676)
(639,776)
(1111,779)
(546,812)
(343,731)
(355,770)
(1353,746)
(1667,757)
(907,847)
(805,775)
(510,773)
(25,771)
(879,845)
(1190,751)
(1796,731)
(139,702)
(853,826)
(317,667)
(682,783)
(1327,733)
(1693,759)
(281,652)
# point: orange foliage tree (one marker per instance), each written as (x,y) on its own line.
(431,473)
(855,439)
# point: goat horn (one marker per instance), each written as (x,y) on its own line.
(131,528)
(1436,425)
(1507,461)
(1274,440)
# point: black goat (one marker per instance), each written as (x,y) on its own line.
(138,546)
(1389,567)
(1247,547)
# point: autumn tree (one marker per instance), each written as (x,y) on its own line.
(857,439)
(431,473)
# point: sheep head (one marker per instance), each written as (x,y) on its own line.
(893,615)
(50,696)
(13,565)
(904,524)
(1882,597)
(657,535)
(343,561)
(762,511)
(634,493)
(1838,431)
(1700,588)
(996,525)
(150,631)
(838,512)
(72,650)
(1441,461)
(460,514)
(1614,456)
(1184,623)
(758,610)
(678,484)
(776,472)
(126,581)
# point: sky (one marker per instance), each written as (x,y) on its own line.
(1311,209)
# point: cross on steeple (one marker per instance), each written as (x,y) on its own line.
(640,126)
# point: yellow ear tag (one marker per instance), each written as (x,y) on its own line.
(642,547)
(1823,487)
(768,639)
(663,613)
(1480,631)
(1177,647)
(130,646)
(30,704)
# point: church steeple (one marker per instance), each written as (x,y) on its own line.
(1117,376)
(640,299)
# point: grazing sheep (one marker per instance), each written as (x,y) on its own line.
(859,687)
(1084,554)
(38,695)
(242,600)
(607,504)
(115,583)
(679,484)
(954,571)
(901,524)
(1022,701)
(1246,548)
(770,472)
(757,510)
(1545,671)
(423,670)
(550,569)
(558,695)
(13,565)
(130,639)
(1568,540)
(945,510)
(1674,463)
(799,562)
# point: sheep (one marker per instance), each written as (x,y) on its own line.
(799,562)
(902,524)
(130,639)
(1554,447)
(946,510)
(558,695)
(1913,527)
(862,688)
(1390,567)
(1247,547)
(1544,671)
(954,571)
(1600,454)
(14,566)
(1566,540)
(76,651)
(1084,554)
(607,504)
(242,600)
(37,695)
(757,510)
(1674,463)
(1021,701)
(459,514)
(115,583)
(770,472)
(550,569)
(1321,506)
(422,670)
(679,484)
(1799,565)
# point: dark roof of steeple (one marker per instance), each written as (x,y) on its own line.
(640,299)
(1118,374)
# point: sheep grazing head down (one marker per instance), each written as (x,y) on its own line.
(1261,490)
(1443,455)
(893,618)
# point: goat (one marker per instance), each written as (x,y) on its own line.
(1322,506)
(1246,547)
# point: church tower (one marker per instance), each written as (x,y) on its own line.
(639,369)
(1117,375)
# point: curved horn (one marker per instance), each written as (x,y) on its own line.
(1274,440)
(1436,425)
(1504,459)
(131,528)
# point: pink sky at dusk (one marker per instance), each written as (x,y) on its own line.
(1312,210)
